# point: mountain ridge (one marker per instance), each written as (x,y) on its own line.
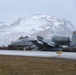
(42,25)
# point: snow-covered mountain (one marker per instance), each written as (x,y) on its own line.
(42,25)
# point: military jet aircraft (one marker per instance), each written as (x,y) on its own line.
(40,43)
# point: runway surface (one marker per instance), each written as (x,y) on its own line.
(65,55)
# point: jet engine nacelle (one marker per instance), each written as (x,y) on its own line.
(61,39)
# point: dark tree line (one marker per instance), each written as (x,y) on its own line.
(7,48)
(67,49)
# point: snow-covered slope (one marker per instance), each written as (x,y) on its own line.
(43,25)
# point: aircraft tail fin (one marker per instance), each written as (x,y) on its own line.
(73,41)
(40,38)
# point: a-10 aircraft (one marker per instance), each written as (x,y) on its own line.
(39,43)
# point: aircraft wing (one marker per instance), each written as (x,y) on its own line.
(46,42)
(49,43)
(52,44)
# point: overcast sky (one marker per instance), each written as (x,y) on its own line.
(11,10)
